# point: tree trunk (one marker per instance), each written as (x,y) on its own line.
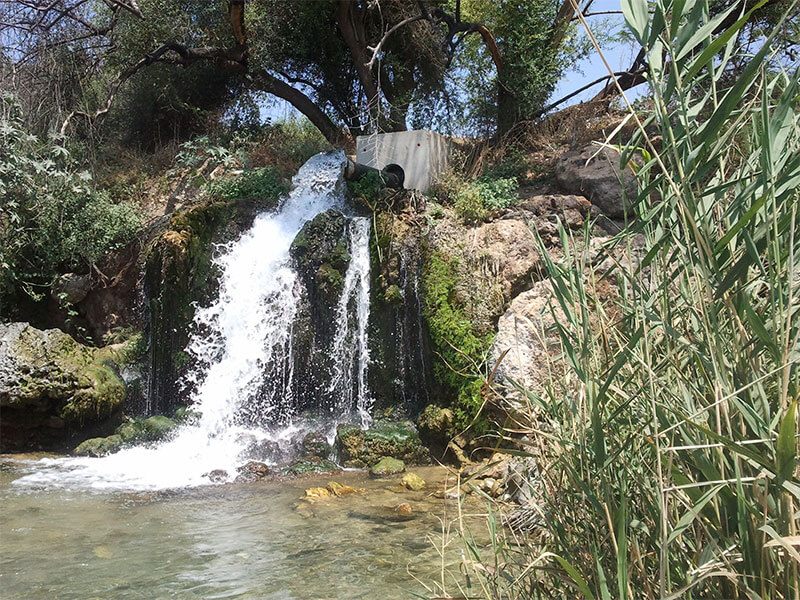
(336,135)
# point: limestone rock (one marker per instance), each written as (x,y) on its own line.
(601,180)
(403,509)
(217,475)
(413,482)
(71,288)
(525,331)
(339,489)
(506,250)
(318,492)
(398,439)
(315,444)
(310,464)
(387,466)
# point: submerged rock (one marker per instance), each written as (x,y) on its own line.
(339,489)
(403,509)
(397,439)
(46,374)
(252,471)
(387,466)
(217,475)
(412,482)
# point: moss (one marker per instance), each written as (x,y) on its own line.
(393,294)
(101,394)
(311,464)
(359,448)
(387,466)
(455,340)
(99,446)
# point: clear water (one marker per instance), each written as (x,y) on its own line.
(242,387)
(235,541)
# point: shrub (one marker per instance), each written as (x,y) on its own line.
(474,200)
(263,183)
(52,220)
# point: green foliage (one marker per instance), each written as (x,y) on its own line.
(368,185)
(264,183)
(475,199)
(460,349)
(52,220)
(669,469)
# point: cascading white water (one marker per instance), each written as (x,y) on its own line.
(348,378)
(243,348)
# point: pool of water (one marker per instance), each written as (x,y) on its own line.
(256,540)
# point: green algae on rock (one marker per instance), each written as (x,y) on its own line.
(311,464)
(398,439)
(47,374)
(387,466)
(99,446)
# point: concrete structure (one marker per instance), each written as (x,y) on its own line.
(422,154)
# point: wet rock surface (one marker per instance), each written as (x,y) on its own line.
(53,388)
(396,439)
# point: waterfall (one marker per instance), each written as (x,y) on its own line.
(350,349)
(243,386)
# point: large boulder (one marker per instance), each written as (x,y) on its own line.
(361,448)
(52,386)
(597,176)
(526,332)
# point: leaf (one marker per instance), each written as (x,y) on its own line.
(574,575)
(636,16)
(786,447)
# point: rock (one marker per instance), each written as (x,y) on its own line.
(493,467)
(157,427)
(130,432)
(46,374)
(507,250)
(601,180)
(403,509)
(412,482)
(318,492)
(71,288)
(387,466)
(571,209)
(435,420)
(398,439)
(99,446)
(320,254)
(316,444)
(217,475)
(252,471)
(526,331)
(338,489)
(311,464)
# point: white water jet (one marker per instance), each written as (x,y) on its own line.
(243,347)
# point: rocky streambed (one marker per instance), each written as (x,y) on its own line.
(320,536)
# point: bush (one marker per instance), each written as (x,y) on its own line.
(474,200)
(263,183)
(52,220)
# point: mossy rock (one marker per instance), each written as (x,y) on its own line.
(43,371)
(387,466)
(397,439)
(311,464)
(157,427)
(413,482)
(99,446)
(315,444)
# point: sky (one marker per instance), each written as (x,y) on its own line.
(619,57)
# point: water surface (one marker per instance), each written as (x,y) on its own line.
(226,541)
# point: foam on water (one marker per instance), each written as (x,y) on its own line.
(243,347)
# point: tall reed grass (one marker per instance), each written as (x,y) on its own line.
(668,456)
